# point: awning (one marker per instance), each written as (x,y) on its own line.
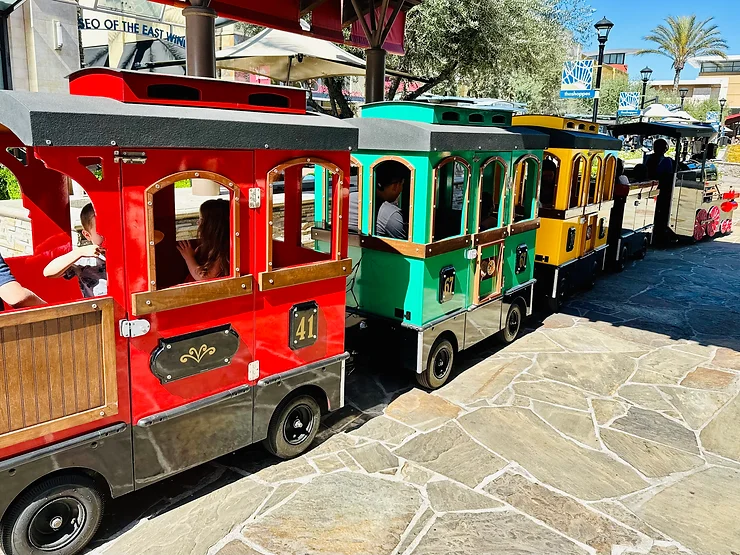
(656,111)
(560,138)
(286,57)
(675,130)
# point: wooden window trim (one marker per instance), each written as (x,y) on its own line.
(371,204)
(610,175)
(109,405)
(169,181)
(518,165)
(502,192)
(304,273)
(559,165)
(190,294)
(466,198)
(599,180)
(571,175)
(360,190)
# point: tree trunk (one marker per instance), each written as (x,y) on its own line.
(395,83)
(441,78)
(677,79)
(340,103)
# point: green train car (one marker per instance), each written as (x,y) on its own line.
(443,221)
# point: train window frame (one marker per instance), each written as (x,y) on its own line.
(586,200)
(518,174)
(502,192)
(189,294)
(370,211)
(610,175)
(558,164)
(354,162)
(466,198)
(308,272)
(578,158)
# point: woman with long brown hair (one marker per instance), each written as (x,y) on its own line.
(210,259)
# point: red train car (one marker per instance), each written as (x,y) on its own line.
(103,395)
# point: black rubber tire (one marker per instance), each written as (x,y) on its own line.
(302,409)
(512,327)
(642,253)
(27,510)
(443,354)
(622,262)
(556,303)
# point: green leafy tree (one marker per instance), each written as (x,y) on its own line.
(9,186)
(685,37)
(511,49)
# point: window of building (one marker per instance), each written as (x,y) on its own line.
(614,59)
(452,177)
(490,209)
(576,179)
(526,178)
(393,188)
(720,67)
(595,180)
(549,181)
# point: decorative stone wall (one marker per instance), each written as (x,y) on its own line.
(728,170)
(15,229)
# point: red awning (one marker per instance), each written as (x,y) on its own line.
(328,17)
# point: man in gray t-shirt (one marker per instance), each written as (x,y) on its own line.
(389,221)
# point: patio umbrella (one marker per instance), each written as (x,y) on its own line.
(289,57)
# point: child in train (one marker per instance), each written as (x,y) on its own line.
(210,258)
(87,263)
(13,293)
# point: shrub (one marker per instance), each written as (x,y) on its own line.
(9,186)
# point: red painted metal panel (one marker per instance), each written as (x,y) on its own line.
(106,198)
(175,90)
(394,43)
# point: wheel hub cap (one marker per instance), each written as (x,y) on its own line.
(57,524)
(299,425)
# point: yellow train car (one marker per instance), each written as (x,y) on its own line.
(576,197)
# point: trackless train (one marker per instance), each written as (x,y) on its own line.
(427,227)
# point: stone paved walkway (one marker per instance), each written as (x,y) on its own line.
(612,428)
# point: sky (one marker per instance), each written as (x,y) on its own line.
(633,19)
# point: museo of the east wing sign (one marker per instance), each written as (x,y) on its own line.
(147,29)
(577,80)
(629,104)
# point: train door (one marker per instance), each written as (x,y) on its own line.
(191,315)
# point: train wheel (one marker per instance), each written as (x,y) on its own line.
(622,262)
(294,427)
(439,365)
(642,253)
(59,515)
(556,302)
(513,324)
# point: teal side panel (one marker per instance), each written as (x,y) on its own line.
(511,278)
(433,267)
(385,283)
(320,203)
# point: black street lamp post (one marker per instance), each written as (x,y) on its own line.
(722,102)
(603,28)
(683,93)
(645,74)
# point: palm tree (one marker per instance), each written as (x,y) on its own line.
(685,38)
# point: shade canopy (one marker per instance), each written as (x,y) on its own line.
(285,57)
(675,130)
(656,111)
(328,17)
(681,115)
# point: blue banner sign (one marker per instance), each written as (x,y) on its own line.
(577,79)
(133,27)
(712,117)
(629,104)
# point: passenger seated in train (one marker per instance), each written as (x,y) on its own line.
(657,164)
(390,222)
(488,213)
(621,181)
(210,258)
(13,293)
(547,185)
(87,263)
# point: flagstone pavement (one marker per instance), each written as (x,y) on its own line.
(611,428)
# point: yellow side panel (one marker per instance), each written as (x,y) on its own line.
(603,215)
(552,241)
